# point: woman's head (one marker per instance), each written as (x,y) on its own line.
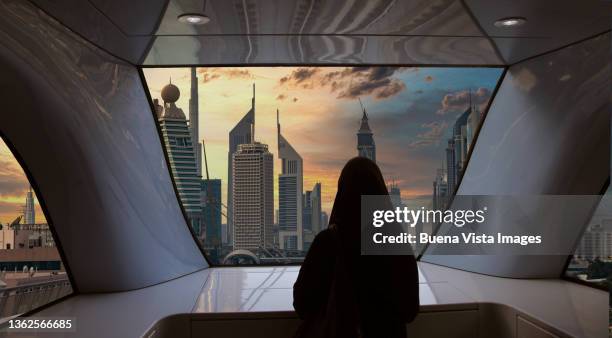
(360,176)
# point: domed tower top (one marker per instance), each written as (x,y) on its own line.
(170,94)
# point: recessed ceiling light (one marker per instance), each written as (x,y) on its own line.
(510,22)
(194,18)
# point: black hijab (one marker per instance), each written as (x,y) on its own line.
(374,294)
(359,177)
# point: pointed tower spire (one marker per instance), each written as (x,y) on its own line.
(365,126)
(253,100)
(194,118)
(365,138)
(253,109)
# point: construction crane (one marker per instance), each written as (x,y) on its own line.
(16,221)
(361,104)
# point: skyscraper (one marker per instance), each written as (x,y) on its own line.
(440,190)
(306,211)
(315,205)
(459,143)
(457,150)
(324,220)
(194,112)
(473,123)
(29,214)
(451,166)
(596,242)
(242,133)
(396,195)
(311,214)
(181,153)
(252,195)
(290,182)
(211,212)
(365,139)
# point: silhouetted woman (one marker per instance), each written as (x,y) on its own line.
(339,292)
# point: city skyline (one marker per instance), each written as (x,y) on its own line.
(311,109)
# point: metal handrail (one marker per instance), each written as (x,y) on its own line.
(23,298)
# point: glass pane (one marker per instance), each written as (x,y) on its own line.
(31,270)
(256,152)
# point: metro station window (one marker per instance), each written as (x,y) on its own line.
(265,145)
(32,273)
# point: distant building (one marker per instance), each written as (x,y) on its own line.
(461,144)
(596,242)
(458,146)
(324,220)
(290,187)
(451,167)
(224,236)
(311,214)
(181,153)
(307,211)
(7,237)
(211,212)
(25,236)
(440,190)
(242,133)
(194,118)
(29,213)
(396,195)
(308,233)
(457,150)
(365,139)
(252,197)
(315,203)
(473,123)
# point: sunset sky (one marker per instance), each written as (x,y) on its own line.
(411,112)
